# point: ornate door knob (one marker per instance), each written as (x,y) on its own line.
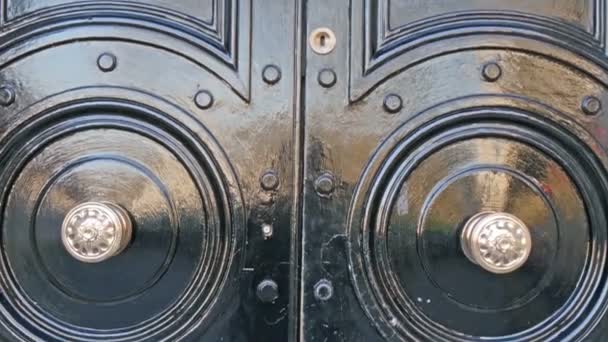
(498,242)
(96,231)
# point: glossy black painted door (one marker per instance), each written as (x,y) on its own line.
(349,170)
(432,116)
(180,113)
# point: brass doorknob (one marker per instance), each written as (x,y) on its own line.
(498,242)
(96,231)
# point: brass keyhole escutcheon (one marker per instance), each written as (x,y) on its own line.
(322,40)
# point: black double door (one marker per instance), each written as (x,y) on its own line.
(350,170)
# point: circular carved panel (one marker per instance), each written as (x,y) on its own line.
(150,175)
(426,264)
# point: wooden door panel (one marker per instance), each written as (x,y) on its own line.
(202,10)
(165,110)
(449,110)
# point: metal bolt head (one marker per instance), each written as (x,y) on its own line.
(591,105)
(269,180)
(327,78)
(96,231)
(267,291)
(325,184)
(491,72)
(323,290)
(203,99)
(271,74)
(7,95)
(392,103)
(267,231)
(322,40)
(498,242)
(106,62)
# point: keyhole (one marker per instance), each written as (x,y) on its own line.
(322,40)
